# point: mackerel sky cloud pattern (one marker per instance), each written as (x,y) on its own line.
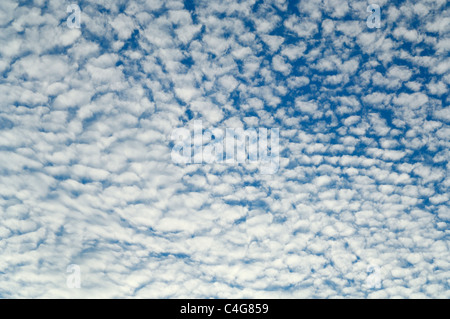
(359,206)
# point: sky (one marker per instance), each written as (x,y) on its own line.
(358,207)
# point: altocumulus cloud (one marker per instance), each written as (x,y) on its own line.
(86,176)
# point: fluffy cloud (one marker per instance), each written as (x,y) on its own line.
(358,207)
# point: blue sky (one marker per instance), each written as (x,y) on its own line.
(86,117)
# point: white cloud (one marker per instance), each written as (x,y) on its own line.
(86,118)
(414,100)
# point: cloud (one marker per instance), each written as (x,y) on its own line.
(87,178)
